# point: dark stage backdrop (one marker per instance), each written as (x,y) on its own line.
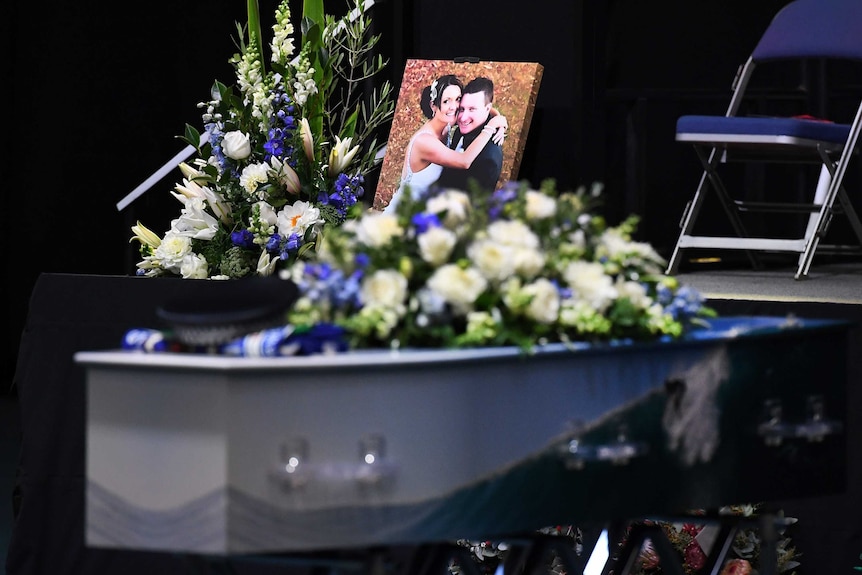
(98,95)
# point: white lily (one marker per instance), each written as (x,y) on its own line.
(341,155)
(145,236)
(307,139)
(189,172)
(190,190)
(194,221)
(286,175)
(265,264)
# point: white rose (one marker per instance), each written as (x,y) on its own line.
(236,145)
(384,288)
(459,287)
(540,206)
(496,261)
(590,283)
(378,229)
(545,303)
(194,266)
(529,262)
(635,292)
(435,245)
(513,233)
(454,203)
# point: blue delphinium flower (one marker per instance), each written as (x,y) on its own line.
(507,193)
(686,303)
(283,126)
(348,190)
(242,238)
(424,221)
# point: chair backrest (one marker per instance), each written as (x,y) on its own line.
(813,29)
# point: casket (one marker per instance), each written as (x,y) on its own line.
(222,455)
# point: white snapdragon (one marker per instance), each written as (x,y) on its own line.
(249,75)
(281,45)
(303,85)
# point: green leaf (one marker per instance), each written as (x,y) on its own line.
(312,10)
(349,127)
(192,136)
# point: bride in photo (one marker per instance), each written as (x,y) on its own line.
(428,150)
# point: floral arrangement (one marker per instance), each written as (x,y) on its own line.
(284,152)
(517,267)
(743,558)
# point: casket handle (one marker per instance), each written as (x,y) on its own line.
(816,427)
(374,470)
(576,453)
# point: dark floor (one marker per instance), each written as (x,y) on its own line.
(9,442)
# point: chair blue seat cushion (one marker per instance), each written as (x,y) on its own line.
(764,126)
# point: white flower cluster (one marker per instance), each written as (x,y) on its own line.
(519,267)
(281,159)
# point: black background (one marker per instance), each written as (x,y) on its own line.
(96,93)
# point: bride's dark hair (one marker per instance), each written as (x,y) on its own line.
(434,93)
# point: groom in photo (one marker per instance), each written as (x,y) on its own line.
(476,101)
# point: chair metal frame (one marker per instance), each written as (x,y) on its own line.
(803,30)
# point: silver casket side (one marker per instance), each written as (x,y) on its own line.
(192,453)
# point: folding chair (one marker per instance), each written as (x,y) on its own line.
(804,31)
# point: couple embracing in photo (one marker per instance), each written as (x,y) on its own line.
(459,144)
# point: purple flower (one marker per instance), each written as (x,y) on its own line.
(273,244)
(242,238)
(424,221)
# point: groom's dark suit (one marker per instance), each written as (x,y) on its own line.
(485,169)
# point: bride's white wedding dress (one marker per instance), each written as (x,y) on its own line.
(412,182)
